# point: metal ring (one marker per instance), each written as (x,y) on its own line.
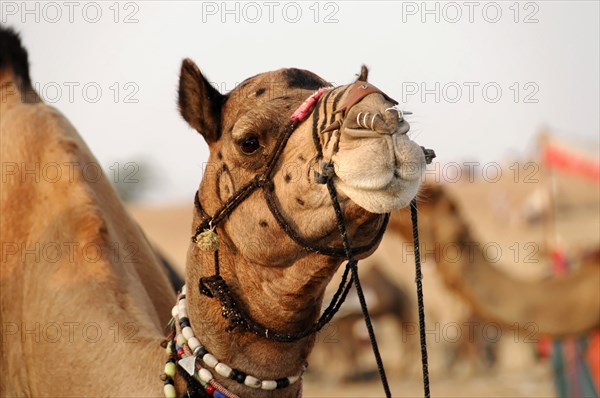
(358,119)
(373,120)
(398,110)
(365,119)
(393,108)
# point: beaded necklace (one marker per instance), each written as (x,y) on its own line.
(185,350)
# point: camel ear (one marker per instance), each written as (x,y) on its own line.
(199,102)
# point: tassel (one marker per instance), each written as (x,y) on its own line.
(208,240)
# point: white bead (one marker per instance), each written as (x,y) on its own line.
(251,381)
(193,343)
(205,375)
(210,360)
(169,391)
(293,379)
(175,312)
(187,332)
(184,289)
(268,385)
(182,308)
(223,369)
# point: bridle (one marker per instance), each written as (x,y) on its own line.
(205,236)
(265,180)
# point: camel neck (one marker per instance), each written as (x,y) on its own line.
(287,299)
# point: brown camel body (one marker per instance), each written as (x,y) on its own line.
(561,306)
(279,283)
(84,299)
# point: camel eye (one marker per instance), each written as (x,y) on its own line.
(249,145)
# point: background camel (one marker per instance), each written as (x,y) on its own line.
(452,259)
(572,308)
(84,300)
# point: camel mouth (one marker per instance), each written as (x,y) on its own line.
(380,173)
(376,165)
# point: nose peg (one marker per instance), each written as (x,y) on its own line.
(363,121)
(401,113)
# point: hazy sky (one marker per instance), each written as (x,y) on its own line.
(481,77)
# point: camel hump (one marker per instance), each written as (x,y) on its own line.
(13,55)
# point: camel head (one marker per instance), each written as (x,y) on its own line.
(376,167)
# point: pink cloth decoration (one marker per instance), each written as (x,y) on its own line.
(304,110)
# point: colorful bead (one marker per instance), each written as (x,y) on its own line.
(169,391)
(219,394)
(180,339)
(202,382)
(170,369)
(185,343)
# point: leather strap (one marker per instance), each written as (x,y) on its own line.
(359,90)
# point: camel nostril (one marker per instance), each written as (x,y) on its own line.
(403,127)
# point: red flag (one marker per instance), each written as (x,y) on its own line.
(568,161)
